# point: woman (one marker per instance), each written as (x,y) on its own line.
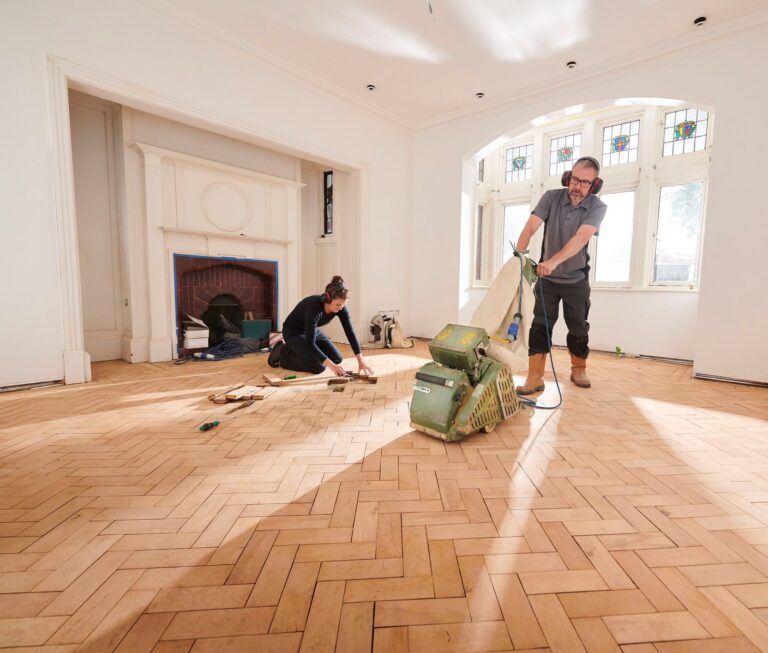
(306,348)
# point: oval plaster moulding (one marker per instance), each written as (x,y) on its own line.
(226,206)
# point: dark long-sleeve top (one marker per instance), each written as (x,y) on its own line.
(310,314)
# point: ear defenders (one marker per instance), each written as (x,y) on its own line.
(597,184)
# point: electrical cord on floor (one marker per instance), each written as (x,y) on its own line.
(532,402)
(228,348)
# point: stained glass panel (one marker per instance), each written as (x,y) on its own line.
(685,131)
(621,143)
(519,164)
(563,151)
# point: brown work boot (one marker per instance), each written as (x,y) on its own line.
(535,380)
(579,372)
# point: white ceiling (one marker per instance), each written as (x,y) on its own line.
(428,65)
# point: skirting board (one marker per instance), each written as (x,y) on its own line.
(727,379)
(77,366)
(135,350)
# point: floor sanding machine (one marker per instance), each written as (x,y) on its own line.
(462,390)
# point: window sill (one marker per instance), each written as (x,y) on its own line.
(672,289)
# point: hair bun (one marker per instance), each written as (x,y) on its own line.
(336,289)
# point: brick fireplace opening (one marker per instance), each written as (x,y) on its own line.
(207,287)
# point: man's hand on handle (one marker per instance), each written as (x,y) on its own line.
(545,268)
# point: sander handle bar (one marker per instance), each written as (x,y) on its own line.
(437,380)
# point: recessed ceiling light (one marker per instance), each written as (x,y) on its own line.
(371,87)
(570,65)
(699,21)
(479,95)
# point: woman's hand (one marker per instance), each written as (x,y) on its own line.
(363,366)
(338,370)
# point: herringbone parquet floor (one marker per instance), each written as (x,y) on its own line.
(634,519)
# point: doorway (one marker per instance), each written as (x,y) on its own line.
(95,128)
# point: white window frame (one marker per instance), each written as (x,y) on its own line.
(663,111)
(481,280)
(674,171)
(644,177)
(622,168)
(503,164)
(520,200)
(572,130)
(653,231)
(626,187)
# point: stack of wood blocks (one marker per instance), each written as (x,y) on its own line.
(241,393)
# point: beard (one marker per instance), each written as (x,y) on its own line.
(576,195)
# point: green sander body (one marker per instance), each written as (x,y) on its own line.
(462,391)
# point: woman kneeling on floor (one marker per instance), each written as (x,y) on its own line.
(305,347)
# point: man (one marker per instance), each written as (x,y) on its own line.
(571,215)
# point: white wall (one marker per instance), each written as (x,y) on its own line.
(178,137)
(644,322)
(728,336)
(311,225)
(732,339)
(324,256)
(204,81)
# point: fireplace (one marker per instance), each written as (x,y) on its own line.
(223,291)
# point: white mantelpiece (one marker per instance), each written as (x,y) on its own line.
(198,206)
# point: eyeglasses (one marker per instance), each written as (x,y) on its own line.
(584,183)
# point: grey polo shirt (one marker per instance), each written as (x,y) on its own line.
(562,221)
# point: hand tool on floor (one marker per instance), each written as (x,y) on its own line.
(302,380)
(245,404)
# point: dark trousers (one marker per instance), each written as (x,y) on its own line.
(298,354)
(575,298)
